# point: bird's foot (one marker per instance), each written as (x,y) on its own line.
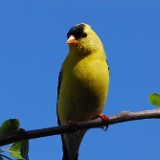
(73,125)
(105,120)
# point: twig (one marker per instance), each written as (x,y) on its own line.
(118,118)
(1,155)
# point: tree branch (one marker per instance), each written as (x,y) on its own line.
(118,118)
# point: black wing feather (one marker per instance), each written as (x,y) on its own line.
(108,66)
(58,90)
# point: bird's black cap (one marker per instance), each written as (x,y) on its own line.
(77,31)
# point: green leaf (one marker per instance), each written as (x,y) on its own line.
(9,126)
(20,150)
(154,99)
(15,150)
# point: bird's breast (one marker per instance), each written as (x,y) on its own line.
(84,90)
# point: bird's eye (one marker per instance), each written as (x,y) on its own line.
(84,35)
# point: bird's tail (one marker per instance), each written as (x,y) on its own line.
(71,143)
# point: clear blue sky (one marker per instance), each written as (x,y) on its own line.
(32,49)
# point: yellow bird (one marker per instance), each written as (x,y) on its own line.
(83,84)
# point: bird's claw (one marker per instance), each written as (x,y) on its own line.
(105,120)
(73,125)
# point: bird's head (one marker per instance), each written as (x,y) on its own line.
(82,38)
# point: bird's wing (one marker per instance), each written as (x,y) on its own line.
(58,89)
(65,153)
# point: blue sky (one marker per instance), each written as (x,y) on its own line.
(32,49)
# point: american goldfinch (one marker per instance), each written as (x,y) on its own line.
(83,84)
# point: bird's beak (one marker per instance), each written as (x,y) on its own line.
(72,40)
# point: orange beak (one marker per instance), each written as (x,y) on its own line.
(72,40)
